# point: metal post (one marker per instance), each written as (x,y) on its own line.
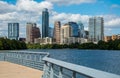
(60,72)
(74,74)
(51,71)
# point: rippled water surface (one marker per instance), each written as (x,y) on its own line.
(99,59)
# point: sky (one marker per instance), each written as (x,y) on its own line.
(23,11)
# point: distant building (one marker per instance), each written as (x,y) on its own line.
(114,37)
(22,39)
(96,29)
(13,31)
(46,40)
(45,23)
(66,32)
(56,34)
(86,34)
(107,38)
(75,29)
(81,29)
(32,32)
(50,32)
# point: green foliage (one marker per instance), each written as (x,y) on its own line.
(6,44)
(110,45)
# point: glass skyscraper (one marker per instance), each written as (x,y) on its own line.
(75,29)
(81,29)
(96,29)
(45,23)
(13,31)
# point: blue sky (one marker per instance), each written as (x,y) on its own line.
(23,11)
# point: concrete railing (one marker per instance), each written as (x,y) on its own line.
(29,59)
(59,69)
(53,68)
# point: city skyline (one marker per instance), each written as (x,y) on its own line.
(23,11)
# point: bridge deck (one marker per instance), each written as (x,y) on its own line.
(10,70)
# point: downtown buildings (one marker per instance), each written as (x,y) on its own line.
(96,29)
(13,31)
(32,32)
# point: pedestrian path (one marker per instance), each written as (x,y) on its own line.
(10,70)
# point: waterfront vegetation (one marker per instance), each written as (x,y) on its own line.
(7,44)
(110,45)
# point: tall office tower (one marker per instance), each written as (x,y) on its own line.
(50,34)
(96,29)
(81,29)
(45,23)
(56,34)
(32,32)
(66,32)
(75,29)
(13,31)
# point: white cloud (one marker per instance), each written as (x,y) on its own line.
(115,6)
(23,11)
(31,5)
(30,11)
(69,2)
(5,7)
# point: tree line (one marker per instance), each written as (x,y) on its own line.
(7,44)
(102,45)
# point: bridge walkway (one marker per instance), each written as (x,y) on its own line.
(10,70)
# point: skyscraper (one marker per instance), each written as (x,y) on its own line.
(13,31)
(96,29)
(81,29)
(56,34)
(32,32)
(66,32)
(75,29)
(45,23)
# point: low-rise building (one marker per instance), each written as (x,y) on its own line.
(46,40)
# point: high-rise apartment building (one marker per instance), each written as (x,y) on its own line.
(66,32)
(45,23)
(56,34)
(96,29)
(13,31)
(32,32)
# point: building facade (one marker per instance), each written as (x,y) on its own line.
(96,29)
(75,29)
(46,40)
(81,29)
(56,34)
(65,33)
(45,23)
(13,31)
(32,32)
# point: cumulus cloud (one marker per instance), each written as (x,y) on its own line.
(30,11)
(115,6)
(23,11)
(5,7)
(68,2)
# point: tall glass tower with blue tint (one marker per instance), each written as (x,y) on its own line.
(96,29)
(13,31)
(45,23)
(75,29)
(81,30)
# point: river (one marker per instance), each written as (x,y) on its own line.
(105,60)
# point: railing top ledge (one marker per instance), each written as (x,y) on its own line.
(89,72)
(30,52)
